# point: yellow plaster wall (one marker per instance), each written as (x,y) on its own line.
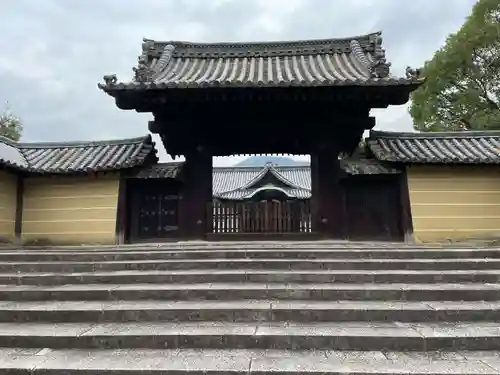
(454,202)
(70,210)
(8,201)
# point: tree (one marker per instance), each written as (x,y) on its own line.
(462,87)
(11,125)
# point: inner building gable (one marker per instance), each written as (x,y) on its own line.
(239,183)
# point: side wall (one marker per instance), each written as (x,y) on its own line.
(454,202)
(70,210)
(8,201)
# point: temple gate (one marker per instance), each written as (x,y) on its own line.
(299,97)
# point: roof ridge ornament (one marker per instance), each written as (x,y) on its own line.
(379,68)
(165,57)
(358,52)
(143,72)
(413,73)
(110,80)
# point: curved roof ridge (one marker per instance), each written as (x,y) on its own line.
(64,144)
(252,181)
(236,167)
(8,141)
(283,179)
(271,43)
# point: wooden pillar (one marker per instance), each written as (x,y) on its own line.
(196,194)
(121,211)
(18,224)
(328,206)
(406,221)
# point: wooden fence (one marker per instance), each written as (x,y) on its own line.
(292,216)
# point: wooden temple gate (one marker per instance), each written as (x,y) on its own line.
(267,217)
(307,97)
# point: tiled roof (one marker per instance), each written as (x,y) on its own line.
(239,182)
(367,166)
(161,170)
(74,157)
(468,147)
(327,62)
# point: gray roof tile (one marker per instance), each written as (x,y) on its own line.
(471,147)
(238,182)
(74,157)
(350,61)
(367,166)
(161,170)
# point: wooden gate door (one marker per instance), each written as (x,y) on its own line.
(266,217)
(372,204)
(154,214)
(272,215)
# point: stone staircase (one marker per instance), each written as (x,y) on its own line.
(263,308)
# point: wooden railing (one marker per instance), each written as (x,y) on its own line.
(261,217)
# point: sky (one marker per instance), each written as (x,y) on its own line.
(54,52)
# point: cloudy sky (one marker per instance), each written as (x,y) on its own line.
(53,52)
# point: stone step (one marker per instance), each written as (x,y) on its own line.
(359,336)
(258,276)
(248,311)
(269,291)
(154,254)
(292,264)
(243,362)
(236,245)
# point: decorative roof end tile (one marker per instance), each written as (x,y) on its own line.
(379,68)
(110,80)
(413,73)
(143,72)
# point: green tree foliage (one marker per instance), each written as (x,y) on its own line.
(462,88)
(11,126)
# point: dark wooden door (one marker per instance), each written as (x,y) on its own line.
(373,208)
(154,213)
(157,215)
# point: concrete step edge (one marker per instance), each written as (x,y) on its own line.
(340,250)
(367,287)
(228,291)
(248,304)
(264,260)
(151,362)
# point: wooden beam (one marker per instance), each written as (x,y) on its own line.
(18,224)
